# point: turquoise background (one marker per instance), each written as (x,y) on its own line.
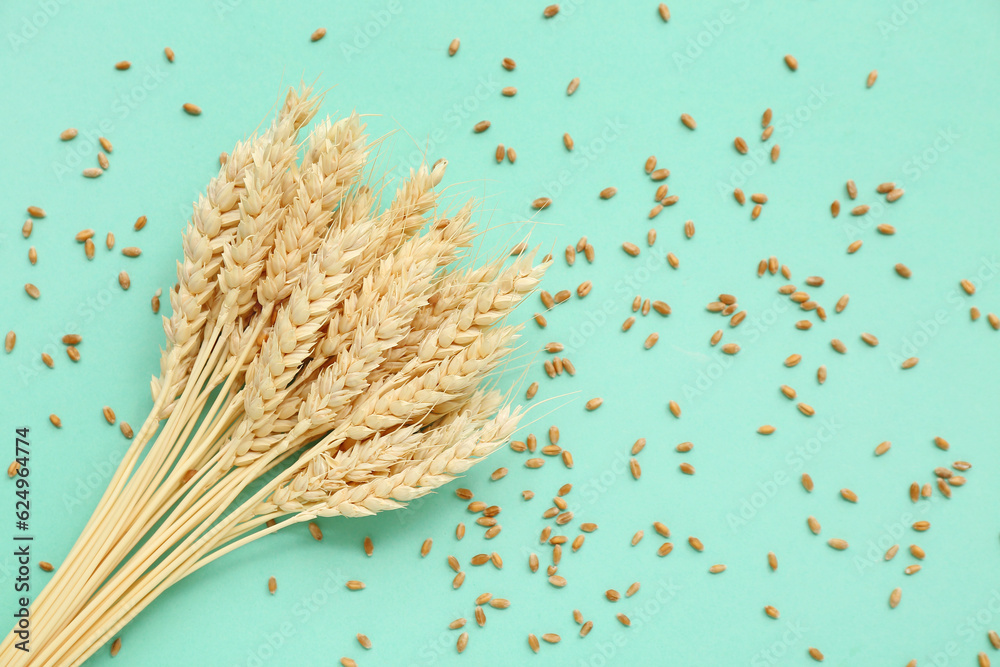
(929,123)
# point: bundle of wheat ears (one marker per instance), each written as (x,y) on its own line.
(326,355)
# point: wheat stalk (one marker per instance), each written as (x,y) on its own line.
(194,300)
(320,348)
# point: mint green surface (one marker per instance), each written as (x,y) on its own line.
(929,123)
